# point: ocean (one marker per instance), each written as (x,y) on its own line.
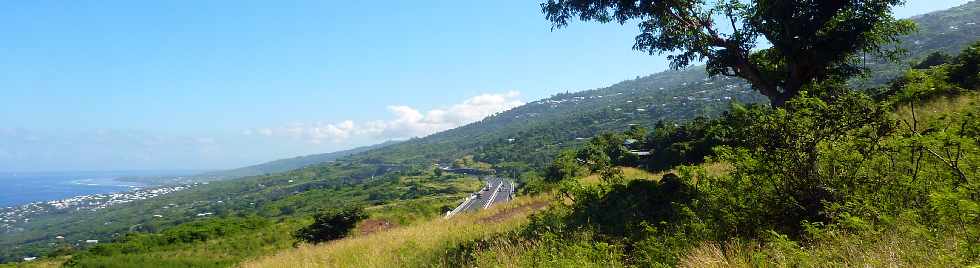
(22,188)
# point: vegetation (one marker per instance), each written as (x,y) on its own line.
(207,243)
(424,244)
(842,180)
(277,208)
(541,129)
(847,172)
(284,165)
(330,225)
(810,40)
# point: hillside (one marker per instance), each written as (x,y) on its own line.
(283,165)
(540,128)
(467,243)
(845,181)
(527,137)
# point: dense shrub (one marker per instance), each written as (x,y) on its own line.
(934,59)
(330,225)
(965,70)
(672,144)
(829,163)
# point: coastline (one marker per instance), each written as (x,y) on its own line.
(11,217)
(25,188)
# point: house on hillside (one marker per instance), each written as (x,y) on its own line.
(635,147)
(468,171)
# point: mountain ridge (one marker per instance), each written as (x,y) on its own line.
(287,164)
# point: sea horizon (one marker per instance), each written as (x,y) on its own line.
(20,188)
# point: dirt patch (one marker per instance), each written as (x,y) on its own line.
(371,226)
(514,211)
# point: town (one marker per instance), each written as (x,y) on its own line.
(10,217)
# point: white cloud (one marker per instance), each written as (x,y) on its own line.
(265,131)
(406,121)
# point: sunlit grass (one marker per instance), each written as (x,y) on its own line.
(422,244)
(632,173)
(888,248)
(629,173)
(938,106)
(43,263)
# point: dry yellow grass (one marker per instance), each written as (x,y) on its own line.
(417,245)
(716,255)
(632,173)
(629,173)
(938,106)
(888,249)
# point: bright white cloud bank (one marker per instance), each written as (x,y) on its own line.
(407,122)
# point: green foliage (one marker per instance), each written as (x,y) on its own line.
(934,59)
(942,77)
(564,166)
(828,164)
(416,210)
(965,70)
(228,240)
(674,144)
(330,225)
(811,40)
(776,182)
(917,85)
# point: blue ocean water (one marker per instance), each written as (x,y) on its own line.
(23,188)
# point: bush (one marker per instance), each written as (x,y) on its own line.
(966,68)
(330,225)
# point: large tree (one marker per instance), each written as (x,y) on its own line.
(804,41)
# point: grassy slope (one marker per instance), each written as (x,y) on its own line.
(48,263)
(632,173)
(222,252)
(427,243)
(424,244)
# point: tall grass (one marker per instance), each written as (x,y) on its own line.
(938,106)
(423,244)
(889,248)
(44,263)
(629,173)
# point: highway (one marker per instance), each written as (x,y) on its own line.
(497,190)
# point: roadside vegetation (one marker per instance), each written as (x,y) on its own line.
(832,178)
(422,245)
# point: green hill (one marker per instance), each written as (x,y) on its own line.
(283,165)
(523,138)
(540,128)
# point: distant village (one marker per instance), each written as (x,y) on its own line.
(10,217)
(732,87)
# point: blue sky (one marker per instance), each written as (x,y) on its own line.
(127,85)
